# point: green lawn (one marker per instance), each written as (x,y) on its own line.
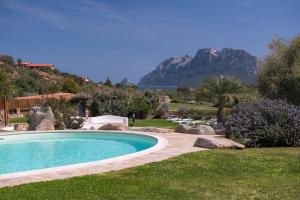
(158,123)
(270,173)
(19,120)
(205,107)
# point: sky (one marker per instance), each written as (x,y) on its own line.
(129,38)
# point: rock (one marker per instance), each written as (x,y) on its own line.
(217,143)
(201,130)
(113,126)
(187,71)
(41,118)
(220,131)
(21,127)
(198,130)
(182,128)
(248,142)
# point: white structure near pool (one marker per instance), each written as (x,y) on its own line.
(98,122)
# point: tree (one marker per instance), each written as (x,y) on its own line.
(19,61)
(184,93)
(5,91)
(7,59)
(70,86)
(279,75)
(162,110)
(108,82)
(140,107)
(152,98)
(220,91)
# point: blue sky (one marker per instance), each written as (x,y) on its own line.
(128,38)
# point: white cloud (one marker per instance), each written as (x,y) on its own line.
(40,13)
(69,19)
(110,13)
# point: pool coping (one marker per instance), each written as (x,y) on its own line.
(172,144)
(161,143)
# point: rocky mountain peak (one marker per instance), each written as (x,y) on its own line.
(189,71)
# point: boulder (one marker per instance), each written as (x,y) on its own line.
(201,130)
(198,130)
(182,128)
(220,131)
(217,143)
(41,118)
(21,127)
(113,126)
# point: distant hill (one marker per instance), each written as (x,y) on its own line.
(126,83)
(190,71)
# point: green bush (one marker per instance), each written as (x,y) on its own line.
(152,98)
(162,110)
(176,99)
(70,86)
(121,101)
(197,114)
(265,123)
(278,77)
(140,108)
(18,120)
(183,111)
(65,114)
(201,114)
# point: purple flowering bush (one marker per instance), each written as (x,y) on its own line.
(265,123)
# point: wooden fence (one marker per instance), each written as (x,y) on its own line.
(21,103)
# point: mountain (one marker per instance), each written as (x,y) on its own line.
(126,83)
(190,71)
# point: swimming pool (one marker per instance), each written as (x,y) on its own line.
(34,151)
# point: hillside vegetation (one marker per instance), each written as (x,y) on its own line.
(39,81)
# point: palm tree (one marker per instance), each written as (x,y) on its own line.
(220,90)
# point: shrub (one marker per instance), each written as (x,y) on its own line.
(152,98)
(162,110)
(278,77)
(201,114)
(7,59)
(176,99)
(26,85)
(140,107)
(65,114)
(197,114)
(265,123)
(110,101)
(182,111)
(70,86)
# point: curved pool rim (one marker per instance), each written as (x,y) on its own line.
(161,143)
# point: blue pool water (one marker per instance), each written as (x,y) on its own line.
(44,150)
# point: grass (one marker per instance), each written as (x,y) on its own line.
(18,120)
(204,107)
(271,173)
(158,123)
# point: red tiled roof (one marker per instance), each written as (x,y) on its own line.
(40,65)
(25,63)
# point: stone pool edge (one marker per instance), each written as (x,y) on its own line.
(161,143)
